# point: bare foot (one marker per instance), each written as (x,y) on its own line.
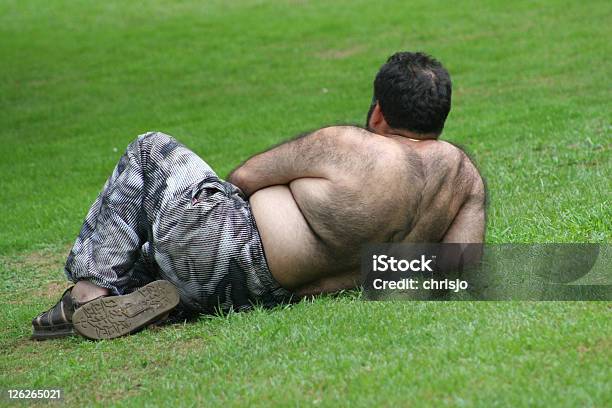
(84,291)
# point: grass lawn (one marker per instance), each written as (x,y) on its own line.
(80,80)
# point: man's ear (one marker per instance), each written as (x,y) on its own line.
(377,120)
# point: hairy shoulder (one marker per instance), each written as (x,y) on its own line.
(347,136)
(360,148)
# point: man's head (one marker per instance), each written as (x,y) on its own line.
(412,96)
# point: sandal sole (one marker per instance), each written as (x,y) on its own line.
(47,333)
(116,316)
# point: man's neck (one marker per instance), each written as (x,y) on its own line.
(417,137)
(406,134)
(403,134)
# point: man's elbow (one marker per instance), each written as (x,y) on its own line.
(235,177)
(240,178)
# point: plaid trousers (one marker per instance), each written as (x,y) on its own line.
(164,214)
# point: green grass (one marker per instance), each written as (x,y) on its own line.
(79,80)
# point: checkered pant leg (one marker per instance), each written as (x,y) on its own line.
(108,251)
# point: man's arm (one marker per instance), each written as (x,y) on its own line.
(467,230)
(468,227)
(320,154)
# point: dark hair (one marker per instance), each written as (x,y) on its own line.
(414,92)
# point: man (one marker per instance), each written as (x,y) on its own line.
(165,229)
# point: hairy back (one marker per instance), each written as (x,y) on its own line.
(371,196)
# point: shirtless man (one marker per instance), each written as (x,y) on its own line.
(166,229)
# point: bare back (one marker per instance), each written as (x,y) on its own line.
(381,190)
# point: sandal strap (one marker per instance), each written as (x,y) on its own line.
(60,313)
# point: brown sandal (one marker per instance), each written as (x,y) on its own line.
(57,321)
